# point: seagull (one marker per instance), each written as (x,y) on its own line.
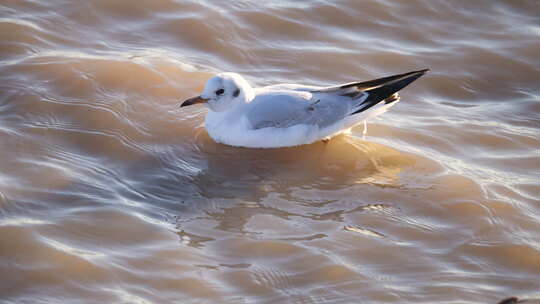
(285,115)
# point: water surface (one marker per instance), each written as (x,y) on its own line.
(110,193)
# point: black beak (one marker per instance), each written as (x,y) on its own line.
(194,100)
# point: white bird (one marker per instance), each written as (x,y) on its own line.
(289,114)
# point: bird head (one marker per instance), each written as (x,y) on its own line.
(223,92)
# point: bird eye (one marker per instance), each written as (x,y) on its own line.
(220,91)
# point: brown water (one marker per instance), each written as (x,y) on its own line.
(110,193)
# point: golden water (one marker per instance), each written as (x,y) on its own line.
(111,193)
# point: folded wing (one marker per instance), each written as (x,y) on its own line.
(382,89)
(283,106)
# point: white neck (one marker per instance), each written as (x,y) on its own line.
(247,93)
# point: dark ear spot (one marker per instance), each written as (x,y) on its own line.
(236,93)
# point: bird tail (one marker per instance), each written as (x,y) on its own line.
(384,88)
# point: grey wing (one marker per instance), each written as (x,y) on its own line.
(374,91)
(286,105)
(292,87)
(281,110)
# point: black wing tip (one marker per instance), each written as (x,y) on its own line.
(386,87)
(420,71)
(512,300)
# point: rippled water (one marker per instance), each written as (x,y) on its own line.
(110,193)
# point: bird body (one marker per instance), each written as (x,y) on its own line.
(289,114)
